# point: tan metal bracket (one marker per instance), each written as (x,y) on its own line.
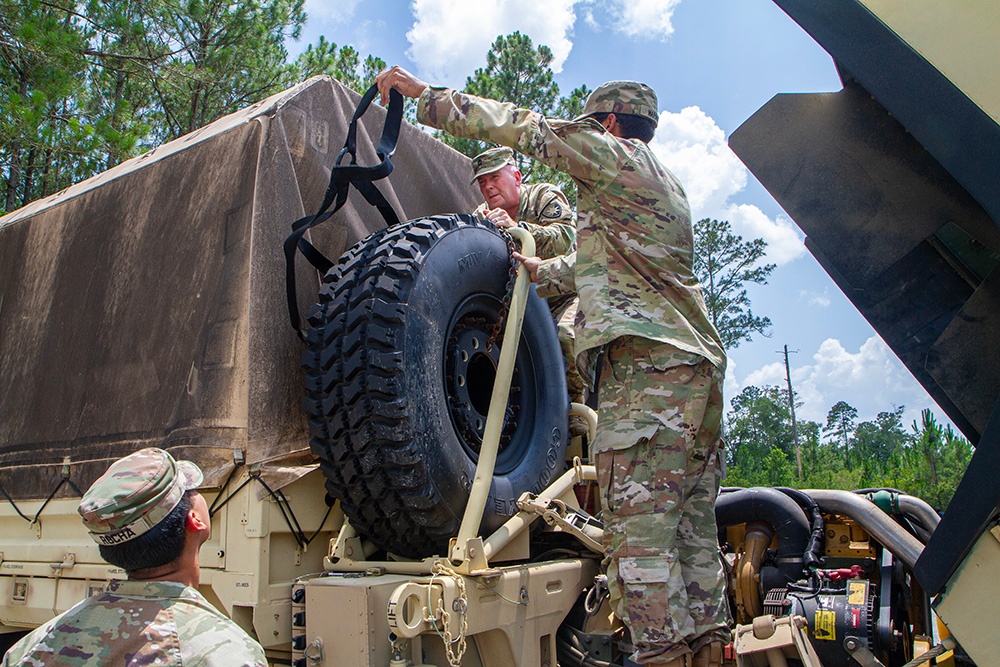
(478,494)
(556,514)
(861,654)
(68,561)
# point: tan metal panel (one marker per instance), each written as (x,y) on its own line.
(959,39)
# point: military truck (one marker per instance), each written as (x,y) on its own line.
(398,487)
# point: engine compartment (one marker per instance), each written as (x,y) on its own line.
(834,568)
(789,556)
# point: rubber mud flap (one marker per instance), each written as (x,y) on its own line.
(399,373)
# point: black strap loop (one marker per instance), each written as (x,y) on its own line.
(342,177)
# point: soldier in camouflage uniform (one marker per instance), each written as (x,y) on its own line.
(543,210)
(540,208)
(148,519)
(660,400)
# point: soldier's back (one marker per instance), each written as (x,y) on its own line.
(139,623)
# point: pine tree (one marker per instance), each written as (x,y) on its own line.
(724,263)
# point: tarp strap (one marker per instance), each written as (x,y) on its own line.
(342,177)
(65,480)
(280,499)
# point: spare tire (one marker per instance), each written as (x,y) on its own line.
(398,381)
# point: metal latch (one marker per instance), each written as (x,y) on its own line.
(68,561)
(557,514)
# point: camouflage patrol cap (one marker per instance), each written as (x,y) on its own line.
(622,97)
(135,494)
(491,160)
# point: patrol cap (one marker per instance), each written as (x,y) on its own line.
(491,160)
(136,493)
(622,97)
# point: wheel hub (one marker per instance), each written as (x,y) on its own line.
(471,374)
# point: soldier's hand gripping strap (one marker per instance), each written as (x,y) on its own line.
(342,177)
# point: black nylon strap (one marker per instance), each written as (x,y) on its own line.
(342,177)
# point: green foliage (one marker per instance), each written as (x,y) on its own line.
(343,64)
(933,463)
(87,85)
(927,462)
(840,422)
(572,106)
(875,444)
(217,57)
(822,466)
(760,422)
(724,263)
(776,469)
(518,72)
(41,136)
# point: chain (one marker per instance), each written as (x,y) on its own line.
(509,292)
(454,646)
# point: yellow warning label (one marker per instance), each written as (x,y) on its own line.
(826,625)
(856,593)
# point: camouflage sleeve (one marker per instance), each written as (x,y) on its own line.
(553,228)
(556,276)
(582,149)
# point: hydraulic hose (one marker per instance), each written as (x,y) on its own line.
(814,549)
(922,513)
(776,509)
(879,525)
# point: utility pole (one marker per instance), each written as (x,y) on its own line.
(791,407)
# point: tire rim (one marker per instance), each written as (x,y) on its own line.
(470,372)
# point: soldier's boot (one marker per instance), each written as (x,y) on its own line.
(709,655)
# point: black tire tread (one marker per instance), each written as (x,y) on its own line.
(358,413)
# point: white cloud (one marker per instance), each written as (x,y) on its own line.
(649,19)
(731,385)
(769,374)
(784,241)
(588,18)
(334,12)
(871,379)
(450,38)
(816,298)
(694,147)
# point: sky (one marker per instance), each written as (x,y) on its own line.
(713,63)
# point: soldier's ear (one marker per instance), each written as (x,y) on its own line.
(610,124)
(194,522)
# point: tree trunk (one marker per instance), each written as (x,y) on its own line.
(13,176)
(29,175)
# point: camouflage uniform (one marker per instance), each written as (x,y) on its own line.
(660,399)
(138,622)
(545,212)
(659,495)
